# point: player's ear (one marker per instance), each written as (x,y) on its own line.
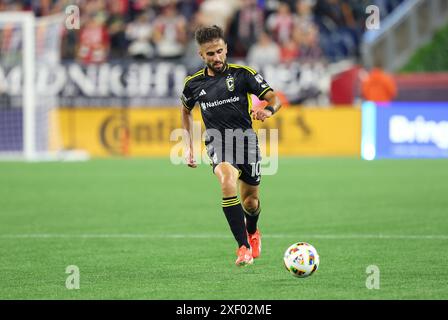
(200,53)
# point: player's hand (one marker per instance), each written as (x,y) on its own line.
(190,159)
(261,114)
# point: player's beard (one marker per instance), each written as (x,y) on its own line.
(214,69)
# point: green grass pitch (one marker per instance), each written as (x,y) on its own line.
(146,229)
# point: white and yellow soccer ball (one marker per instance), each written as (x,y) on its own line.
(301,259)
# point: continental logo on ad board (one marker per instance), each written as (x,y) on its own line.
(146,132)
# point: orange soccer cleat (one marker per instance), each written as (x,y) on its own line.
(244,257)
(255,243)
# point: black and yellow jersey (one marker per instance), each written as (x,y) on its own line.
(224,99)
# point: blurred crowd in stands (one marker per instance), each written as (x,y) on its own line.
(261,31)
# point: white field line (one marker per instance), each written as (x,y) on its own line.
(298,236)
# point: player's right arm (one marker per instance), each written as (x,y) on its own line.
(188,103)
(187,124)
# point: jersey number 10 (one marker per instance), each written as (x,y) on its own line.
(256,167)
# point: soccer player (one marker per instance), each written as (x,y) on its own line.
(223,91)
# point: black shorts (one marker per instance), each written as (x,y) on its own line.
(249,166)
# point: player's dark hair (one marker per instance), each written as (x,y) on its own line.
(209,33)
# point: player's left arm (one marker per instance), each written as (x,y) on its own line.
(273,106)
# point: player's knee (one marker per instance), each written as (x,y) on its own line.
(228,185)
(228,177)
(251,204)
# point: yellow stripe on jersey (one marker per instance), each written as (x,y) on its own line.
(268,88)
(186,105)
(192,77)
(249,103)
(199,73)
(238,66)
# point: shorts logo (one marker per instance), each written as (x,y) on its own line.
(230,82)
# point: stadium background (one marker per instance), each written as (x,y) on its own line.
(117,84)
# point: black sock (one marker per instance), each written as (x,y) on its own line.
(235,217)
(252,219)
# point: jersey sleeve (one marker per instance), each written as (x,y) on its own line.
(187,98)
(257,85)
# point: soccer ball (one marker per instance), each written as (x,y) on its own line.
(301,259)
